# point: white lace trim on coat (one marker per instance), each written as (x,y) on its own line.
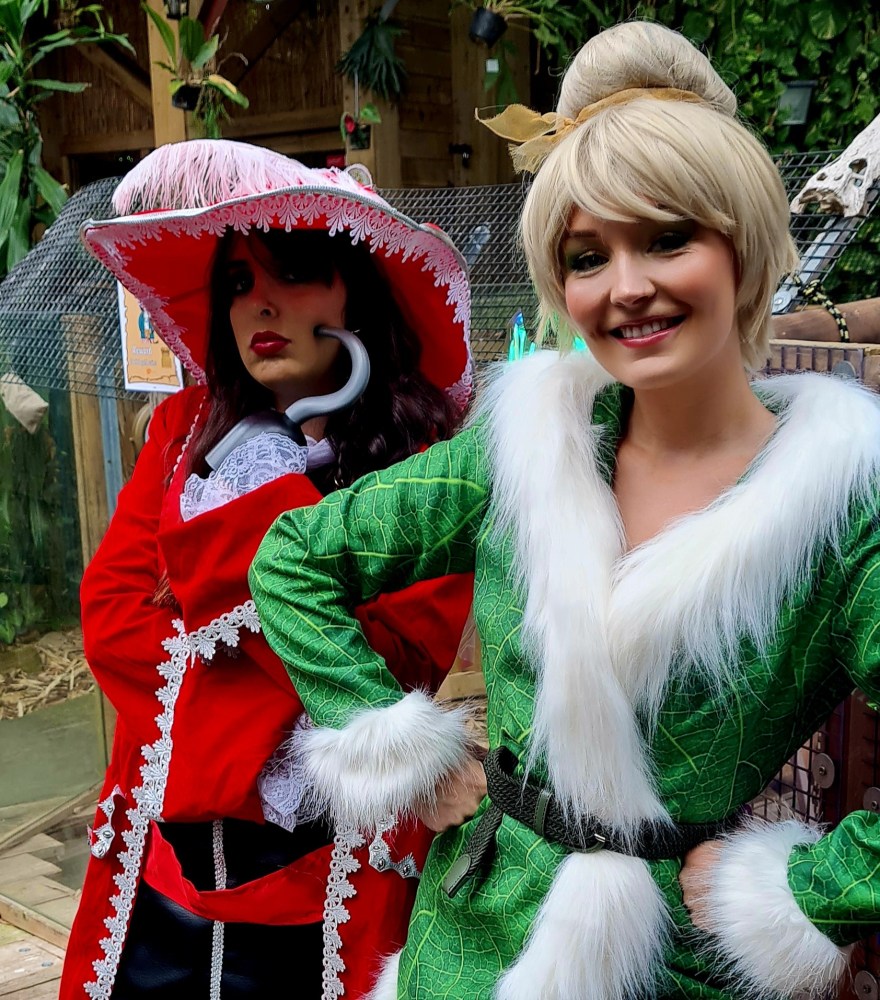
(342,864)
(183,649)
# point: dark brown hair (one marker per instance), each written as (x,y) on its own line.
(400,411)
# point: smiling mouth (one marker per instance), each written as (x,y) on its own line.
(647,329)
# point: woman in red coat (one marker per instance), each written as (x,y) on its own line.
(210,875)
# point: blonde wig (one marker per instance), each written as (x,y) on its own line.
(659,160)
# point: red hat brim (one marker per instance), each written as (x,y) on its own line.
(165,259)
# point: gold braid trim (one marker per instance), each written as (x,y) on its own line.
(535,135)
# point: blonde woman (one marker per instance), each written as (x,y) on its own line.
(675,583)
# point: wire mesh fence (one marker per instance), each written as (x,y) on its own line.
(59,326)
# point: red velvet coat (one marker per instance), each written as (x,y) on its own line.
(195,725)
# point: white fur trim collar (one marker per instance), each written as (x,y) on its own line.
(599,661)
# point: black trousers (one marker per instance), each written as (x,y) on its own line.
(168,950)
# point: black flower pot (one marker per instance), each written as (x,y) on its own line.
(186,97)
(360,137)
(486,26)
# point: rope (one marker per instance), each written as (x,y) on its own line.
(813,294)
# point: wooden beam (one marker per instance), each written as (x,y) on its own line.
(277,122)
(169,123)
(121,70)
(815,323)
(382,159)
(210,14)
(35,923)
(274,22)
(295,145)
(106,142)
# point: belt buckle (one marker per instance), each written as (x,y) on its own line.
(599,842)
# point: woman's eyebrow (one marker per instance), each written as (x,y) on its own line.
(583,234)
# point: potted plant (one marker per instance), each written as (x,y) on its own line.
(355,128)
(487,25)
(372,62)
(30,198)
(194,86)
(548,19)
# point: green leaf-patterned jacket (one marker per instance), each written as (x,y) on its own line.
(671,681)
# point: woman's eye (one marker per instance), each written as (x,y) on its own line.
(667,242)
(585,260)
(240,283)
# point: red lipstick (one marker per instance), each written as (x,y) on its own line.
(267,343)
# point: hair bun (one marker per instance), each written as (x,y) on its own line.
(640,54)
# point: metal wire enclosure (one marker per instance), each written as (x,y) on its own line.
(58,311)
(59,319)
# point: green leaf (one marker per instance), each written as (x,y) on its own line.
(192,38)
(19,239)
(4,600)
(227,89)
(52,192)
(206,52)
(10,19)
(69,88)
(164,29)
(827,20)
(697,26)
(9,192)
(369,115)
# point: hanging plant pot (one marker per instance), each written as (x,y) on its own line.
(486,26)
(360,137)
(186,97)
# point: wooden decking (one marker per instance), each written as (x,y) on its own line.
(30,969)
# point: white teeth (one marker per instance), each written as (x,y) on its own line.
(633,332)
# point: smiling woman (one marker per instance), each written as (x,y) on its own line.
(676,580)
(238,270)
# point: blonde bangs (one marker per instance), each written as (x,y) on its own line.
(664,161)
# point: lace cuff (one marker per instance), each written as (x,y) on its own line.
(252,464)
(283,788)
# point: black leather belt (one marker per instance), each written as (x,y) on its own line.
(536,807)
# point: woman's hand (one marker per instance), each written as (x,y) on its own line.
(458,798)
(694,877)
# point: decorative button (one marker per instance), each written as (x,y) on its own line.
(871,800)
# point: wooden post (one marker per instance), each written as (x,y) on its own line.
(169,123)
(489,159)
(382,159)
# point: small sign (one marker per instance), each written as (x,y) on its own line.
(147,364)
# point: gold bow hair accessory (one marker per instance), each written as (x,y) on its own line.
(535,135)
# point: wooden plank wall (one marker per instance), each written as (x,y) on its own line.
(105,117)
(426,117)
(295,96)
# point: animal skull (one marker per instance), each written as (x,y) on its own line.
(842,187)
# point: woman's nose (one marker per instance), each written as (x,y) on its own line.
(631,281)
(263,300)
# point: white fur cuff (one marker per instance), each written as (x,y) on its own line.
(765,939)
(386,984)
(384,763)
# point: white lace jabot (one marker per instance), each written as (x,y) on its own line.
(252,464)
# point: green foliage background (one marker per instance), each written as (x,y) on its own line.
(40,549)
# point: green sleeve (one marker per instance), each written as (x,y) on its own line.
(415,521)
(836,881)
